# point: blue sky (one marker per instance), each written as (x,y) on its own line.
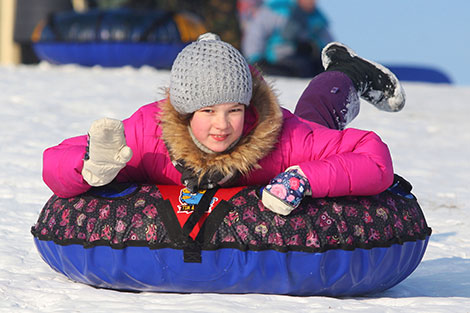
(406,32)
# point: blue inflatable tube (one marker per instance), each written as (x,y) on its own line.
(424,74)
(109,54)
(131,239)
(114,38)
(332,273)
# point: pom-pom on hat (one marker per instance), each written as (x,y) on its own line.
(207,72)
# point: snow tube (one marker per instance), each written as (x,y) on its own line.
(163,238)
(420,74)
(113,38)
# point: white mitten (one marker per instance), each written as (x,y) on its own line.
(107,152)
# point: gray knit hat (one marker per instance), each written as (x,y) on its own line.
(209,71)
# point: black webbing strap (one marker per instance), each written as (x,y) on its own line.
(192,249)
(169,219)
(181,235)
(199,211)
(213,221)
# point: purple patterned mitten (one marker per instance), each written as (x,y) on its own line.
(285,191)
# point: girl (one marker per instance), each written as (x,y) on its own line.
(221,125)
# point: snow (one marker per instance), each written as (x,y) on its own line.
(44,104)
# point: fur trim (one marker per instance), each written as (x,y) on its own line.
(245,155)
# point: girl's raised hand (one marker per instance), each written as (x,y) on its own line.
(107,152)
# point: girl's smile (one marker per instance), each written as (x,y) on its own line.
(219,137)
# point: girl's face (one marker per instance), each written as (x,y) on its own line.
(218,126)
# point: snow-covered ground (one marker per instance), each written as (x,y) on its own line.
(41,105)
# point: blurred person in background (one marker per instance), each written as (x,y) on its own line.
(246,11)
(285,37)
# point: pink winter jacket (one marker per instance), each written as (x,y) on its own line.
(337,163)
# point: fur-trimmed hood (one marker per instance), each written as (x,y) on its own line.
(252,147)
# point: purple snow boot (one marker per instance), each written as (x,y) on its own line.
(374,82)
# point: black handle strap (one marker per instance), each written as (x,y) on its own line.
(169,219)
(199,211)
(192,248)
(181,236)
(213,221)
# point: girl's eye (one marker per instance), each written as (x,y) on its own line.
(238,109)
